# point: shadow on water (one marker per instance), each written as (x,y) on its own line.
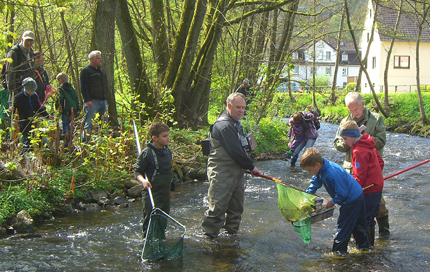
(112,240)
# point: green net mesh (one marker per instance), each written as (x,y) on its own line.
(303,228)
(296,206)
(164,238)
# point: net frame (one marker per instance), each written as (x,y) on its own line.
(164,237)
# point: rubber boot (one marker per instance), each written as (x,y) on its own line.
(371,235)
(293,162)
(384,226)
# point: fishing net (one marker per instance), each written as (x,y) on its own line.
(296,206)
(164,237)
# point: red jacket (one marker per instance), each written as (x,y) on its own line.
(367,164)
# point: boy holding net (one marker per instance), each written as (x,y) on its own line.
(367,167)
(346,192)
(154,170)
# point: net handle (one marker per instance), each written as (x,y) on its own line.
(280,182)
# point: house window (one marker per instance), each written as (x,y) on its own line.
(344,57)
(295,55)
(374,63)
(344,71)
(328,71)
(401,62)
(296,70)
(328,55)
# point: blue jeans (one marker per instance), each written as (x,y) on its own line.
(305,144)
(99,106)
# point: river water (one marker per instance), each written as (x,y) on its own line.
(112,240)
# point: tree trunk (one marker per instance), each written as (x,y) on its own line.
(179,44)
(139,81)
(351,31)
(160,46)
(180,89)
(387,62)
(52,56)
(420,99)
(72,58)
(336,66)
(104,40)
(199,90)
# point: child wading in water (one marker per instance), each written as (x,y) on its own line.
(367,167)
(346,192)
(155,162)
(296,131)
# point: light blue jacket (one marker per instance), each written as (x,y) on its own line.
(340,185)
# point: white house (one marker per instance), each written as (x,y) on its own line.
(325,60)
(402,70)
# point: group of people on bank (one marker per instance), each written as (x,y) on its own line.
(29,89)
(357,187)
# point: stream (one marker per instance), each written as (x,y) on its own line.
(112,239)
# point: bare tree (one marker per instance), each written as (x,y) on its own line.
(361,62)
(390,50)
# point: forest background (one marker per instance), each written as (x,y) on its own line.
(174,62)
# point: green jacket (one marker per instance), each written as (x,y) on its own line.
(374,126)
(68,99)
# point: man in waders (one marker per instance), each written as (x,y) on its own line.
(372,124)
(227,163)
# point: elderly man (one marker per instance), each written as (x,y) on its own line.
(94,88)
(21,66)
(227,163)
(370,123)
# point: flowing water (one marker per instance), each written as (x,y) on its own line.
(112,240)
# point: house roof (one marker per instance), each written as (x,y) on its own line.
(408,30)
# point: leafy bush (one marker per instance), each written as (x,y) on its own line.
(350,86)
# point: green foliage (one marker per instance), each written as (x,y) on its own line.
(15,199)
(350,86)
(271,136)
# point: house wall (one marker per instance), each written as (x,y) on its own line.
(399,79)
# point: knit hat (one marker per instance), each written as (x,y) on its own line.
(29,84)
(28,35)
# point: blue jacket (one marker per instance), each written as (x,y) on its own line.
(340,185)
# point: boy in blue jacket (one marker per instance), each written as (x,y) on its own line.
(345,191)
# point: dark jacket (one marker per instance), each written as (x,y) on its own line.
(42,80)
(226,130)
(367,164)
(28,106)
(94,83)
(68,99)
(145,163)
(19,68)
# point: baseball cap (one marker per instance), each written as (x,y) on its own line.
(28,35)
(29,84)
